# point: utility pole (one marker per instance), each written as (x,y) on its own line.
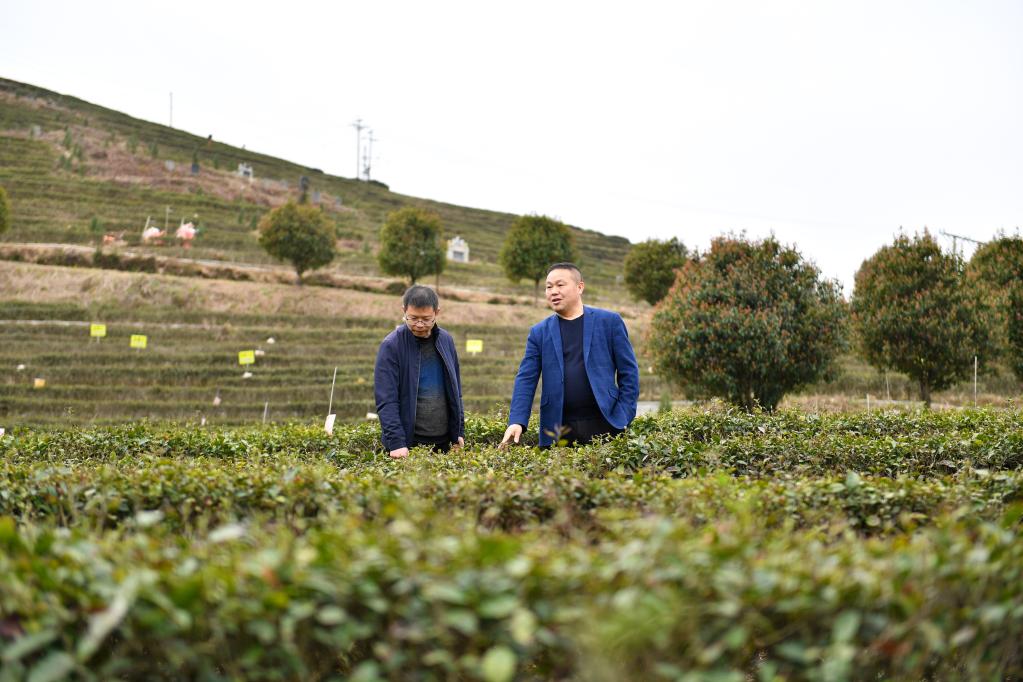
(358,146)
(171,124)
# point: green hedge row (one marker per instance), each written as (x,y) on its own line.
(426,597)
(196,492)
(680,443)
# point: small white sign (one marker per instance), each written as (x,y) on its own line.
(247,375)
(372,415)
(271,341)
(328,425)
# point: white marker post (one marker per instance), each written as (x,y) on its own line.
(328,425)
(266,409)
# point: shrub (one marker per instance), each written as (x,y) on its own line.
(410,244)
(750,322)
(534,243)
(650,268)
(299,234)
(997,269)
(914,312)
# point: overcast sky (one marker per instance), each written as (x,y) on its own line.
(830,124)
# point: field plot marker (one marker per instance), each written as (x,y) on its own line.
(328,425)
(266,410)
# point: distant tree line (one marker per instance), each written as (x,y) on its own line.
(749,320)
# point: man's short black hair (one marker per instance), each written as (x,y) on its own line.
(419,296)
(567,266)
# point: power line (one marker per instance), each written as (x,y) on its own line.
(956,237)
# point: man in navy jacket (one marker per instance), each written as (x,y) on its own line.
(417,381)
(590,375)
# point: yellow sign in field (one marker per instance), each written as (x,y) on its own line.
(39,383)
(97,331)
(138,341)
(246,357)
(474,345)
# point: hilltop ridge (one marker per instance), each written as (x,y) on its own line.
(76,170)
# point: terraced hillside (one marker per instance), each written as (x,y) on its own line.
(194,334)
(75,171)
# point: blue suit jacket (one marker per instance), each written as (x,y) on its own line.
(610,366)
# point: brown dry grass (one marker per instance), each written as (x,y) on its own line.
(55,284)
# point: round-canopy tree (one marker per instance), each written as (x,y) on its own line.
(299,234)
(533,243)
(650,268)
(914,312)
(749,321)
(997,269)
(410,244)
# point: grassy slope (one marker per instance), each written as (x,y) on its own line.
(196,328)
(119,177)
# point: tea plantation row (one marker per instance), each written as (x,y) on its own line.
(700,545)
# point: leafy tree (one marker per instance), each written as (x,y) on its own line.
(410,244)
(996,268)
(1014,329)
(650,268)
(749,321)
(533,244)
(914,312)
(5,211)
(301,235)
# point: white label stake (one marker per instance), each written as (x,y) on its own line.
(328,425)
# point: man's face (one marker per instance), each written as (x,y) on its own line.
(564,291)
(421,320)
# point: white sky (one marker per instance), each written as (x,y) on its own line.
(829,123)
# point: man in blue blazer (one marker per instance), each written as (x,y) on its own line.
(590,376)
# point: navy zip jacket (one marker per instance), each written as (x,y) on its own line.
(396,385)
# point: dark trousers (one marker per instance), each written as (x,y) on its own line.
(583,431)
(436,445)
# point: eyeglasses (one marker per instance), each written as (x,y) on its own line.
(419,321)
